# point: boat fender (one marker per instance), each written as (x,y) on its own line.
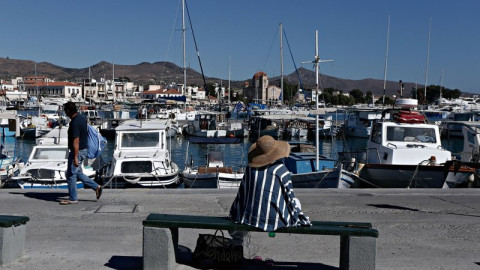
(360,167)
(132,180)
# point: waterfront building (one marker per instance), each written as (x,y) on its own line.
(158,94)
(54,89)
(259,90)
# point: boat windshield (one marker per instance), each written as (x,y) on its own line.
(51,153)
(143,139)
(411,134)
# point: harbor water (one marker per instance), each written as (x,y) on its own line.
(234,154)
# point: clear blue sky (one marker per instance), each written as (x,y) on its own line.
(80,33)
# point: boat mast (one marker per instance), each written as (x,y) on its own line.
(316,63)
(113,81)
(38,92)
(229,65)
(184,56)
(90,84)
(386,63)
(426,64)
(281,63)
(441,85)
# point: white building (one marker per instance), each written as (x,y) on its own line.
(54,89)
(156,94)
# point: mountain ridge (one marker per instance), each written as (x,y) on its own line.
(167,72)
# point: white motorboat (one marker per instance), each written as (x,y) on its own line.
(215,173)
(47,164)
(406,153)
(141,157)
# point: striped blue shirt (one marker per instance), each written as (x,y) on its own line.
(266,200)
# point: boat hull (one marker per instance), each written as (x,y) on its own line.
(402,176)
(192,179)
(142,181)
(47,185)
(322,179)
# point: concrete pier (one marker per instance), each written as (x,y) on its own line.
(419,229)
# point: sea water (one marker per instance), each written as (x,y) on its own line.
(234,154)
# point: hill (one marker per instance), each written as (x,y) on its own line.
(166,72)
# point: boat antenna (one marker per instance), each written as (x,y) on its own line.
(196,49)
(386,62)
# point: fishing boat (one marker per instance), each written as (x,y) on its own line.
(141,157)
(35,126)
(205,125)
(298,128)
(47,164)
(305,175)
(214,173)
(405,153)
(469,158)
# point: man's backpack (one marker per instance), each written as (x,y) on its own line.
(96,143)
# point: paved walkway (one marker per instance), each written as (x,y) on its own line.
(419,229)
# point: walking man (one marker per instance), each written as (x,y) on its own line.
(77,146)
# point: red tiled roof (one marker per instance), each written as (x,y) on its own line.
(53,84)
(260,73)
(172,91)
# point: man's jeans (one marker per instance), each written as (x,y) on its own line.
(75,173)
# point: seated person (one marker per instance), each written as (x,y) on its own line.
(265,198)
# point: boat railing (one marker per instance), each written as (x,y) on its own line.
(351,159)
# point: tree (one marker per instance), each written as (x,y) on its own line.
(368,97)
(357,95)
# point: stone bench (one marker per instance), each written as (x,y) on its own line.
(12,237)
(160,238)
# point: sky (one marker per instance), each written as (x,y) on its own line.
(238,38)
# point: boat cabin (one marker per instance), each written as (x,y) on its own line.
(135,135)
(405,143)
(306,163)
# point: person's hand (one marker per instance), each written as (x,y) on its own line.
(75,161)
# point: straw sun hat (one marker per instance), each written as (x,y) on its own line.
(266,151)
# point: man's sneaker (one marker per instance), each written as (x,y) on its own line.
(98,191)
(67,202)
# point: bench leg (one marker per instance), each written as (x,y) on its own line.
(357,252)
(158,249)
(12,243)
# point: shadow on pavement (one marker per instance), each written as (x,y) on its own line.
(395,207)
(125,263)
(184,256)
(45,196)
